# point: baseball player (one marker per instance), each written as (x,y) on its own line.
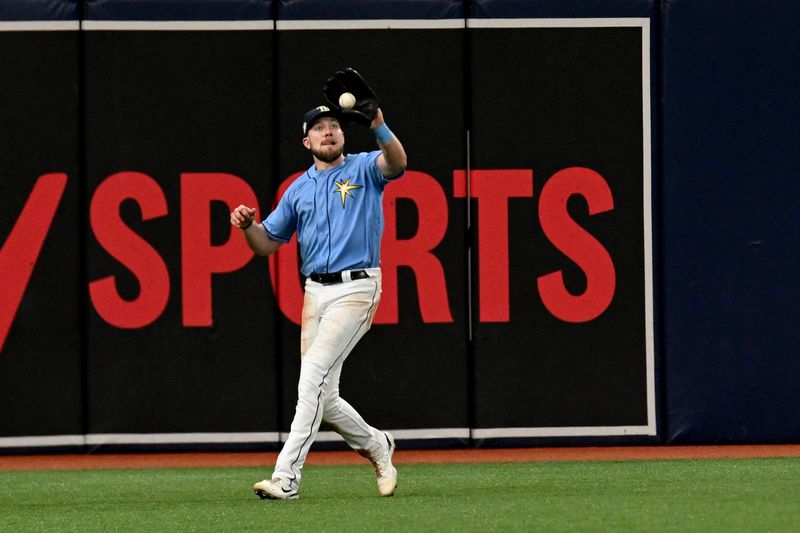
(335,208)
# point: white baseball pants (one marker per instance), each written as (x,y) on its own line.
(335,317)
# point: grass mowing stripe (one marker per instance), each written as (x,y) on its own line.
(738,495)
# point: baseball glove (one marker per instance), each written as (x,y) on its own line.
(350,81)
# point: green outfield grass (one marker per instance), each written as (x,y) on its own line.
(697,495)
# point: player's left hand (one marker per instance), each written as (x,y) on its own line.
(349,80)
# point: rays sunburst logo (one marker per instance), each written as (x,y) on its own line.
(344,188)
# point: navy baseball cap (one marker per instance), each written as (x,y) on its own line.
(315,114)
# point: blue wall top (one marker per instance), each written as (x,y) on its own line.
(18,10)
(177,10)
(370,9)
(562,9)
(267,9)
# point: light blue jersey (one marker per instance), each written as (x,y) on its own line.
(337,214)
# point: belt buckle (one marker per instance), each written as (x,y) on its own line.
(332,278)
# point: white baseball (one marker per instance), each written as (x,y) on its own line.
(347,100)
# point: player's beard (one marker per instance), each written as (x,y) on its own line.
(328,156)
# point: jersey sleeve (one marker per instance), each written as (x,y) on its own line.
(371,167)
(282,222)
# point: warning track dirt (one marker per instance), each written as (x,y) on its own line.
(267,459)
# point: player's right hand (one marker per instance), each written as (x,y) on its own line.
(243,216)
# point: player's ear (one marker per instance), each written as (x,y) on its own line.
(306,143)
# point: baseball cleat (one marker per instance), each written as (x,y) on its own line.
(385,472)
(274,489)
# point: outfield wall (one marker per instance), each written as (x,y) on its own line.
(591,243)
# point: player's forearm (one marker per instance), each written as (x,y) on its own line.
(259,241)
(394,158)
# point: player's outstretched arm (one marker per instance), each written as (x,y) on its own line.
(243,217)
(349,92)
(393,158)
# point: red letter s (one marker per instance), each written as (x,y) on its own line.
(129,249)
(576,244)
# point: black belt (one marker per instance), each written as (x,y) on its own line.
(336,277)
